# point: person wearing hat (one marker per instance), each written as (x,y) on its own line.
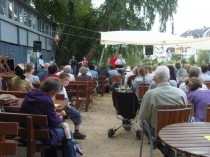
(19,82)
(84,76)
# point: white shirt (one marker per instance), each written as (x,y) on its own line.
(64,92)
(72,78)
(41,62)
(205,77)
(120,61)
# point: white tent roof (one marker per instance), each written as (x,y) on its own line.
(152,38)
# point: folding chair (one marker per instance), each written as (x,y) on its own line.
(165,115)
(8,148)
(143,88)
(126,105)
(207,113)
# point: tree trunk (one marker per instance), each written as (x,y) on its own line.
(102,55)
(93,50)
(107,55)
(118,48)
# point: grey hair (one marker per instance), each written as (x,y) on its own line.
(67,69)
(162,73)
(83,70)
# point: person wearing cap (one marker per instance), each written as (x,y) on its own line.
(84,76)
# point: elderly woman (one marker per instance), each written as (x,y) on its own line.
(193,72)
(28,73)
(84,76)
(19,82)
(197,96)
(67,69)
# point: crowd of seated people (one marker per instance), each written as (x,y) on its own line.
(190,80)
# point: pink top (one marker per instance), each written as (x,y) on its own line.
(85,62)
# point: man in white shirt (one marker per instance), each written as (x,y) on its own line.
(204,75)
(120,62)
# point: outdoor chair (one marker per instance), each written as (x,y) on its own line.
(126,105)
(207,113)
(143,88)
(165,115)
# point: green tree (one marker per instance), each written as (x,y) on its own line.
(175,57)
(192,60)
(202,57)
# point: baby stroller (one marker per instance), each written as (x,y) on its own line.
(126,104)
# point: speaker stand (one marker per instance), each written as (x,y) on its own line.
(148,60)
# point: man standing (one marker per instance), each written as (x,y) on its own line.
(120,62)
(73,64)
(163,94)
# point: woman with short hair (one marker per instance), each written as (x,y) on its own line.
(29,69)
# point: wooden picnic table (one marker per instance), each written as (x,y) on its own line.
(58,109)
(188,137)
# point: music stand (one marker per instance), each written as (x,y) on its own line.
(74,63)
(119,66)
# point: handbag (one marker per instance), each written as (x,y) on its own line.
(8,99)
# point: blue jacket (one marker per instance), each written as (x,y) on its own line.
(38,102)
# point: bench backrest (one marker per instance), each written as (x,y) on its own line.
(8,148)
(116,79)
(207,83)
(207,113)
(29,132)
(18,94)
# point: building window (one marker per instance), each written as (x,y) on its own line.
(30,18)
(10,9)
(47,29)
(40,25)
(15,11)
(21,14)
(34,22)
(3,7)
(25,16)
(43,27)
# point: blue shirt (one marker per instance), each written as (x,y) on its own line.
(112,72)
(205,77)
(93,73)
(42,74)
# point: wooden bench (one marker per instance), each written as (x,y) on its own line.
(36,85)
(84,91)
(18,94)
(8,148)
(143,88)
(29,132)
(207,83)
(102,83)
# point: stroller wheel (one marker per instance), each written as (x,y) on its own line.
(138,134)
(110,133)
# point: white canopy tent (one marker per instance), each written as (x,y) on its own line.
(152,38)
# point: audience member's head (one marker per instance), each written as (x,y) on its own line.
(204,68)
(172,72)
(51,86)
(162,74)
(91,67)
(64,78)
(52,69)
(61,68)
(154,67)
(188,68)
(85,65)
(141,71)
(67,69)
(194,72)
(20,70)
(111,67)
(83,70)
(149,69)
(52,58)
(183,73)
(46,65)
(131,68)
(29,68)
(178,66)
(193,83)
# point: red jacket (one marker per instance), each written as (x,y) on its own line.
(112,61)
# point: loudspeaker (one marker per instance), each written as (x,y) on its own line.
(148,50)
(37,47)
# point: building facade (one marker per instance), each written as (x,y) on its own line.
(20,26)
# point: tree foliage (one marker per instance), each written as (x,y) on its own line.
(112,15)
(192,60)
(203,57)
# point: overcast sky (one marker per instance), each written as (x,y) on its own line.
(191,14)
